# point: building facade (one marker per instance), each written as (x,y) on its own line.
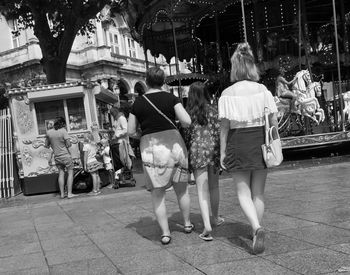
(109,53)
(104,68)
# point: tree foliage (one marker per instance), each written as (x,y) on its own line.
(56,24)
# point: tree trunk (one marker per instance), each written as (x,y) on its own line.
(55,70)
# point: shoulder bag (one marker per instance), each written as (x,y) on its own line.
(272,149)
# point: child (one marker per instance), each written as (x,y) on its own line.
(91,165)
(203,142)
(107,161)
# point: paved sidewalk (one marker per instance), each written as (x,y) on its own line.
(307,219)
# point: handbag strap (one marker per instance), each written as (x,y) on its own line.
(266,115)
(267,126)
(159,111)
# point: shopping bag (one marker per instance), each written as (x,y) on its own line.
(272,149)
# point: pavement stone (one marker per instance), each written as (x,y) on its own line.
(91,266)
(256,266)
(314,261)
(307,220)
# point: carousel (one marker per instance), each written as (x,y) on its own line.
(301,47)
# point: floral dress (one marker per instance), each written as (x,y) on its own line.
(203,142)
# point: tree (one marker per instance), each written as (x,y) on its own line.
(56,24)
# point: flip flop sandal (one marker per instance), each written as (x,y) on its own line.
(206,237)
(258,241)
(165,239)
(189,228)
(220,221)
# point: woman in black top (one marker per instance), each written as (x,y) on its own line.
(163,151)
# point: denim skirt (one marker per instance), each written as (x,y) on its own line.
(243,149)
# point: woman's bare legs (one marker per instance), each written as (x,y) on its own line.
(214,192)
(61,181)
(158,201)
(183,198)
(257,188)
(242,180)
(70,183)
(201,177)
(250,190)
(95,183)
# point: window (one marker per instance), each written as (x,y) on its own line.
(114,43)
(104,120)
(132,48)
(46,113)
(14,29)
(71,109)
(76,114)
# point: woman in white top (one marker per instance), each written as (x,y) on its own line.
(241,109)
(120,128)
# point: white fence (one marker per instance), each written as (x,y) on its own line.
(6,155)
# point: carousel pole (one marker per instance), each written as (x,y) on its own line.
(344,28)
(244,24)
(218,52)
(155,60)
(299,28)
(340,94)
(305,37)
(176,57)
(145,53)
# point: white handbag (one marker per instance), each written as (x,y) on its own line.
(272,149)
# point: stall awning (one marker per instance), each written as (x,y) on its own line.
(55,93)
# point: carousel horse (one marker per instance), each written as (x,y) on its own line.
(305,102)
(346,111)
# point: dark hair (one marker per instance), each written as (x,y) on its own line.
(122,109)
(114,111)
(197,103)
(125,108)
(243,64)
(155,77)
(60,122)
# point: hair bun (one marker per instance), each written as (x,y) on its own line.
(244,49)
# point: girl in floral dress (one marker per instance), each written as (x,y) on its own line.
(203,140)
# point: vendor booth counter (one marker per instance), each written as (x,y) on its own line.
(85,107)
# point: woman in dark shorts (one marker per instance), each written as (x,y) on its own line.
(58,139)
(241,109)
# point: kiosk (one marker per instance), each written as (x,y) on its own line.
(85,107)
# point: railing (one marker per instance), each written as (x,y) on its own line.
(6,155)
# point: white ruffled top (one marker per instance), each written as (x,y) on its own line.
(244,102)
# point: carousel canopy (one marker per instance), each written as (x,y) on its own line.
(154,22)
